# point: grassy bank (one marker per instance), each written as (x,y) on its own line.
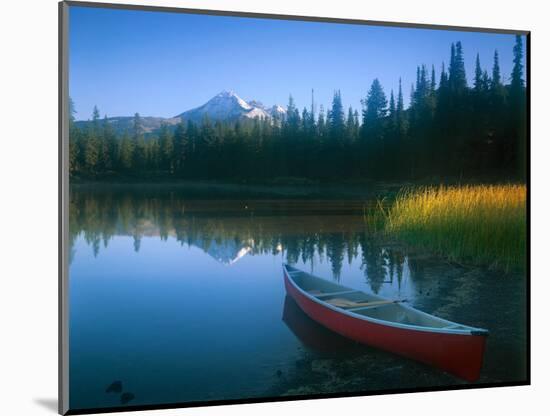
(483,224)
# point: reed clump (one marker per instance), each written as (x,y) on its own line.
(479,224)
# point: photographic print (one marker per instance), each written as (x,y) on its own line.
(278,208)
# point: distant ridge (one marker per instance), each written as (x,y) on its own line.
(225,106)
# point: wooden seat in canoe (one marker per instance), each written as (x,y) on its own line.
(346,303)
(319,294)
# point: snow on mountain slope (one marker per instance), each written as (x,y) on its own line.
(277,110)
(225,106)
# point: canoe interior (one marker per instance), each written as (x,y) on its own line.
(326,291)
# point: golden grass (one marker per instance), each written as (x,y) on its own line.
(481,224)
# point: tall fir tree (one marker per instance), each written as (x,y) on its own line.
(375,105)
(74,142)
(478,75)
(392,112)
(292,117)
(109,148)
(92,151)
(181,147)
(138,139)
(516,78)
(335,117)
(321,123)
(495,80)
(350,126)
(166,144)
(401,120)
(457,71)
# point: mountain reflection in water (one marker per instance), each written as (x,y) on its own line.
(143,264)
(301,229)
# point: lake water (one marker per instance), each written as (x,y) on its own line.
(180,297)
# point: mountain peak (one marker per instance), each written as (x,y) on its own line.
(227,93)
(231,96)
(226,106)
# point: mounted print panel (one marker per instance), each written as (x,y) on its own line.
(263,208)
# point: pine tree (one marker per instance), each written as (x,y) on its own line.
(126,154)
(452,66)
(497,90)
(478,76)
(305,121)
(166,148)
(393,112)
(140,153)
(292,117)
(109,145)
(181,146)
(95,118)
(310,124)
(400,106)
(321,121)
(373,131)
(375,105)
(518,116)
(153,154)
(495,80)
(457,72)
(443,79)
(422,86)
(335,117)
(374,113)
(312,110)
(207,134)
(460,80)
(350,125)
(73,139)
(400,113)
(92,145)
(432,82)
(517,82)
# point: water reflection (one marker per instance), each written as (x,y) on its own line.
(312,334)
(239,228)
(142,265)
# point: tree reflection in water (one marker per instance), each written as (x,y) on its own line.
(230,229)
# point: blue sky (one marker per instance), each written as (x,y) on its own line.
(161,64)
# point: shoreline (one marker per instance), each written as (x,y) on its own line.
(279,188)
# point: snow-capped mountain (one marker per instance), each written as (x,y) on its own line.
(226,106)
(227,251)
(277,111)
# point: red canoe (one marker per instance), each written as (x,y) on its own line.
(389,325)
